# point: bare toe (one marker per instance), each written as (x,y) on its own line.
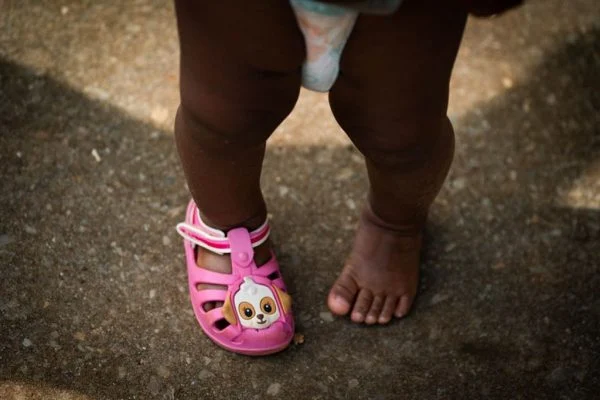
(403,306)
(375,310)
(342,294)
(388,310)
(362,305)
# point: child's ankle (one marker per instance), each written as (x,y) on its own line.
(405,227)
(251,223)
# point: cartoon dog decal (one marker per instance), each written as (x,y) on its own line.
(255,305)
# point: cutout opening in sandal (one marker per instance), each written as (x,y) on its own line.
(211,305)
(204,286)
(227,257)
(273,275)
(221,324)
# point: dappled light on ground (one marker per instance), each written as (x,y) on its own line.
(94,302)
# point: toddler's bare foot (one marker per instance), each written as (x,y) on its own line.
(381,274)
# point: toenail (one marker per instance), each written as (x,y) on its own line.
(339,300)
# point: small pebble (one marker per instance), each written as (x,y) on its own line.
(96,92)
(352,383)
(498,266)
(176,211)
(27,343)
(166,241)
(283,190)
(274,389)
(556,232)
(152,293)
(344,174)
(438,298)
(342,357)
(54,345)
(351,204)
(96,155)
(163,372)
(298,338)
(326,316)
(205,374)
(322,387)
(459,183)
(30,229)
(358,159)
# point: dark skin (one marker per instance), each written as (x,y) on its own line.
(398,121)
(240,79)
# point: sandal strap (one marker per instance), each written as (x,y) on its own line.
(206,276)
(211,295)
(215,240)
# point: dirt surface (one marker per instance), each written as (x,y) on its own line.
(93,291)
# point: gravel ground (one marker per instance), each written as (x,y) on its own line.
(93,292)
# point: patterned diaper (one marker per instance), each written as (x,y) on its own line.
(326,28)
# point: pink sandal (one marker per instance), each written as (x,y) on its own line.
(256,317)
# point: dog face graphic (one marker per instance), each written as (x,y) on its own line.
(256,305)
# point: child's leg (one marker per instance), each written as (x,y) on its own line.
(391,99)
(240,77)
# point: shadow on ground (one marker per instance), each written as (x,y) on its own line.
(94,290)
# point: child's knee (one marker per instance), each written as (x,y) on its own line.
(246,117)
(408,147)
(394,138)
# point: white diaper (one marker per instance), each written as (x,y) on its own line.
(326,28)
